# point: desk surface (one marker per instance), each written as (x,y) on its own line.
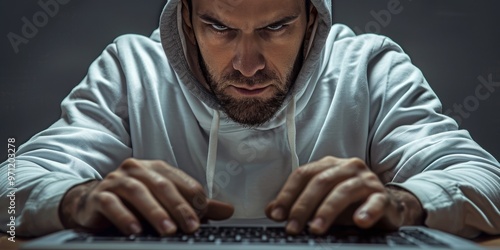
(487,241)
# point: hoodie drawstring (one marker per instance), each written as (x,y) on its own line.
(291,132)
(212,152)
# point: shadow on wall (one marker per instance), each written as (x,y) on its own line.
(454,43)
(47,47)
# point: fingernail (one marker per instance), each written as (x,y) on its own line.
(168,227)
(363,216)
(293,226)
(317,223)
(135,228)
(278,214)
(192,225)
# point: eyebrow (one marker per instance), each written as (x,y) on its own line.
(284,20)
(210,19)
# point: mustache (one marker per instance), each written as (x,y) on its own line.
(258,78)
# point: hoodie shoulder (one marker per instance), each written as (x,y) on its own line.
(343,47)
(135,42)
(140,51)
(142,62)
(343,40)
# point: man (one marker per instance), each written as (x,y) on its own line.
(251,109)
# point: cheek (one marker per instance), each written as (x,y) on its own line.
(214,53)
(282,58)
(217,59)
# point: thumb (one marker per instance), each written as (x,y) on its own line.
(217,210)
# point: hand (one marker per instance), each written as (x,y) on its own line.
(165,196)
(323,192)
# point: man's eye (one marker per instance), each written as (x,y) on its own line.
(218,27)
(275,27)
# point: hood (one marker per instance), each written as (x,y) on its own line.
(187,69)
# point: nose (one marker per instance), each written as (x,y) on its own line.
(248,59)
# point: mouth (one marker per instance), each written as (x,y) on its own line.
(251,91)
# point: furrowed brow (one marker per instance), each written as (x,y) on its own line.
(209,19)
(284,20)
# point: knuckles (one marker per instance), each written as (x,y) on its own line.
(303,173)
(158,164)
(113,176)
(329,160)
(117,182)
(162,184)
(356,163)
(196,188)
(130,164)
(324,178)
(370,177)
(103,199)
(309,172)
(372,182)
(133,187)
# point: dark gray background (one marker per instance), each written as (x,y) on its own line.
(453,42)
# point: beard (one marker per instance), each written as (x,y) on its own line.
(251,111)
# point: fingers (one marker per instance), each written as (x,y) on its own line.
(137,195)
(308,186)
(174,203)
(353,190)
(314,193)
(180,195)
(278,209)
(322,191)
(387,210)
(111,207)
(165,196)
(187,185)
(371,211)
(177,193)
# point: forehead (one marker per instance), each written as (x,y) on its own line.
(249,12)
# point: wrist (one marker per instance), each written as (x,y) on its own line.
(73,201)
(409,205)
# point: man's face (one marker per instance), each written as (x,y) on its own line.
(250,53)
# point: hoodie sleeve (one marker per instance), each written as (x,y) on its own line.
(457,182)
(89,140)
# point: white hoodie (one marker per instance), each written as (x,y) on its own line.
(356,96)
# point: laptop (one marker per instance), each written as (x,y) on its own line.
(255,235)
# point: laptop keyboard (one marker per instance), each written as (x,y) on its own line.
(276,235)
